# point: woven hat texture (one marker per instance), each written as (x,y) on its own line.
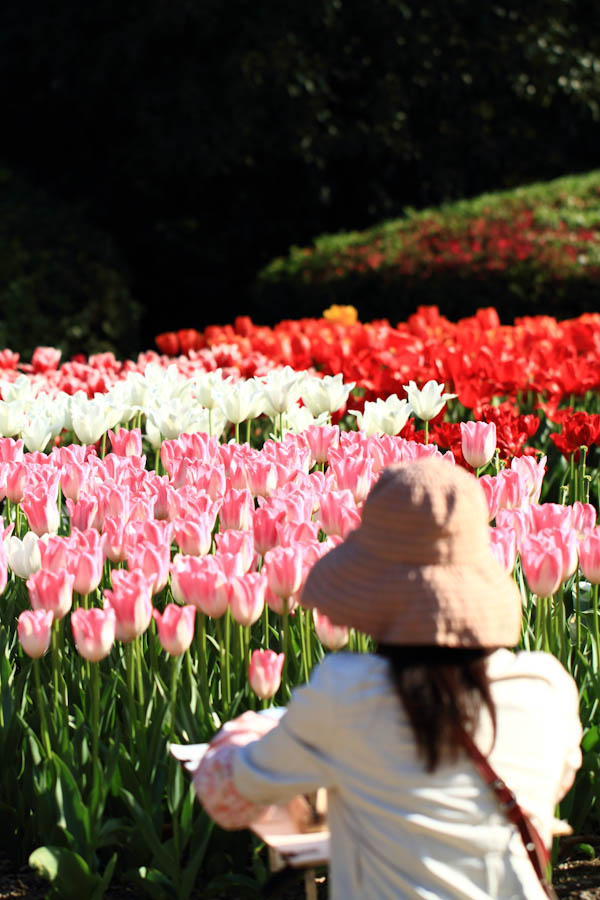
(419,568)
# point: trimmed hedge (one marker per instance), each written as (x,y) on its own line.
(61,281)
(527,251)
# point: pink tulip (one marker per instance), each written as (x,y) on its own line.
(584,517)
(239,543)
(478,441)
(514,489)
(550,515)
(338,513)
(532,471)
(321,439)
(264,672)
(52,591)
(542,566)
(83,513)
(589,556)
(34,628)
(194,537)
(504,547)
(153,561)
(247,598)
(355,475)
(334,637)
(125,442)
(94,632)
(74,479)
(199,580)
(264,527)
(175,627)
(236,510)
(41,511)
(10,450)
(45,359)
(262,477)
(492,488)
(86,568)
(54,553)
(517,520)
(130,599)
(284,569)
(113,539)
(16,478)
(291,533)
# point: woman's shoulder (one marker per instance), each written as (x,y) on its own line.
(530,664)
(342,671)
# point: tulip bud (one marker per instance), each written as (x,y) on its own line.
(51,591)
(264,672)
(34,628)
(334,637)
(478,442)
(175,627)
(93,632)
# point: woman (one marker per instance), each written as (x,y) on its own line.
(410,816)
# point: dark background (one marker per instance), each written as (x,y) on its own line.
(156,155)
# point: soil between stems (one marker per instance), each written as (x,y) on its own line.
(574,879)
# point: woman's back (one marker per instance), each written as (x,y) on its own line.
(398,831)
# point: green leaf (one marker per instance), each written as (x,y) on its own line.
(591,739)
(68,873)
(73,812)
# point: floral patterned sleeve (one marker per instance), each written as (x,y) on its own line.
(213,780)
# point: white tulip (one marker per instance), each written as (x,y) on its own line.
(326,394)
(23,556)
(21,390)
(208,386)
(241,400)
(298,418)
(282,387)
(12,416)
(91,418)
(36,432)
(383,416)
(427,402)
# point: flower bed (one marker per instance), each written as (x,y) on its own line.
(157,535)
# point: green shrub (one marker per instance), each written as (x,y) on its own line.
(527,251)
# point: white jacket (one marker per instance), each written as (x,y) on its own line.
(397,831)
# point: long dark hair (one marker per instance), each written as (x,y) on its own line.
(442,690)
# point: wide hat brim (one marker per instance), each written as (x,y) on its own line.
(453,593)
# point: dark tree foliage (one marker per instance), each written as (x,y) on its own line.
(206,137)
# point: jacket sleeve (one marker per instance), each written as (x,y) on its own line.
(294,758)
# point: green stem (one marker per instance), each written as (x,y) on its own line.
(103,446)
(426,431)
(95,678)
(248,430)
(224,685)
(300,615)
(138,661)
(577,611)
(202,667)
(176,665)
(42,707)
(55,660)
(237,432)
(130,664)
(265,639)
(285,642)
(582,458)
(595,614)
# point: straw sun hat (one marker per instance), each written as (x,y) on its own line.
(419,569)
